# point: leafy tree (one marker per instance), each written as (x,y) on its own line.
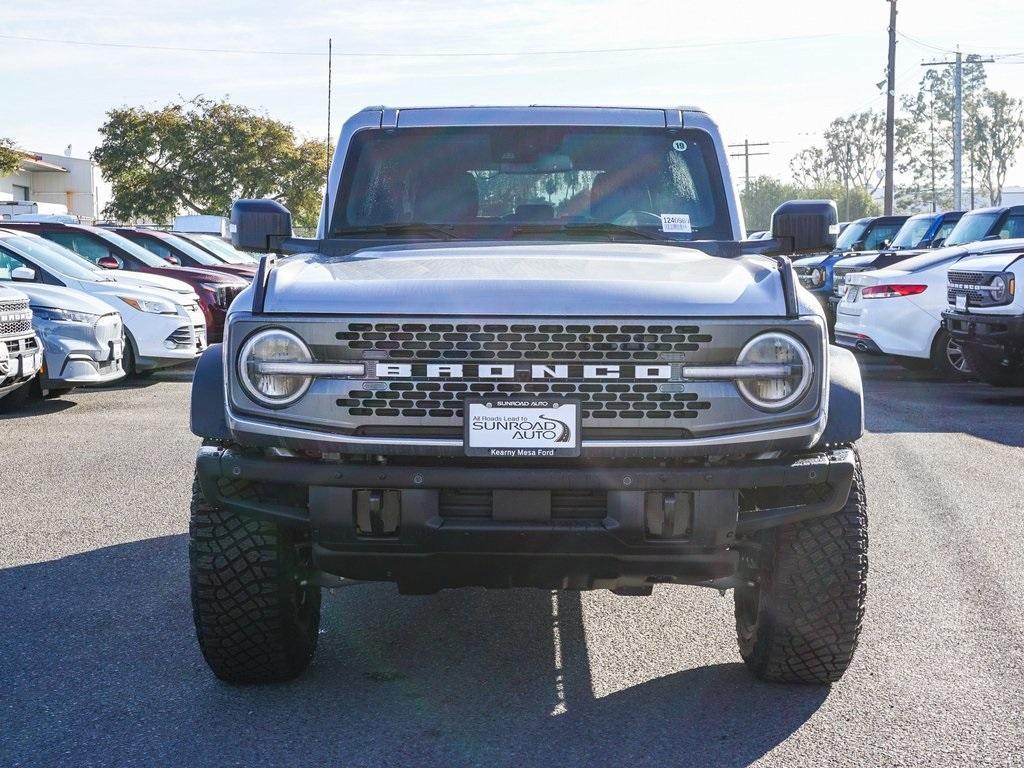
(10,158)
(199,155)
(855,149)
(811,168)
(765,194)
(997,133)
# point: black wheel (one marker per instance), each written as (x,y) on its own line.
(128,358)
(15,398)
(948,357)
(998,373)
(799,620)
(255,619)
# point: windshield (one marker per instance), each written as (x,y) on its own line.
(851,235)
(50,257)
(221,249)
(140,253)
(972,227)
(189,249)
(481,179)
(912,232)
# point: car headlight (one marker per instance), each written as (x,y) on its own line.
(153,306)
(817,277)
(776,371)
(65,315)
(1001,288)
(255,367)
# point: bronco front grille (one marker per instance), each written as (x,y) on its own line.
(961,284)
(598,400)
(15,317)
(523,341)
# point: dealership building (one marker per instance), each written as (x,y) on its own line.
(57,183)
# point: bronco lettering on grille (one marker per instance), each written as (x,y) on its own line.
(458,371)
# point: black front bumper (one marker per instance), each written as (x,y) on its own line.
(678,524)
(1005,332)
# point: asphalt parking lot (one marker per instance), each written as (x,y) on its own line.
(99,664)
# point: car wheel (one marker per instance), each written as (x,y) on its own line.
(948,357)
(256,617)
(799,614)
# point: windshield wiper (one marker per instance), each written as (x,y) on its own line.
(585,228)
(410,228)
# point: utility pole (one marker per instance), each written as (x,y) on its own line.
(890,112)
(746,154)
(958,120)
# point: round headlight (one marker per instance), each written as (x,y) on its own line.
(787,371)
(271,388)
(998,292)
(817,277)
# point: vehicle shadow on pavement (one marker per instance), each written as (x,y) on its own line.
(37,407)
(100,666)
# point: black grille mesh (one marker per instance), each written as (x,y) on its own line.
(523,341)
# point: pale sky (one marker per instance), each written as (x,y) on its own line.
(754,84)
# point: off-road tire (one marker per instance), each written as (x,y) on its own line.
(255,621)
(801,620)
(994,373)
(944,358)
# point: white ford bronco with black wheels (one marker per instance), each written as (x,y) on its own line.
(528,347)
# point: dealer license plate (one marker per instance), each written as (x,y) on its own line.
(522,428)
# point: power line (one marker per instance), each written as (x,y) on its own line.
(746,154)
(432,54)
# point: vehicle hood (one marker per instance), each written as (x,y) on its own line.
(104,290)
(244,271)
(991,262)
(63,298)
(192,275)
(146,281)
(821,259)
(553,279)
(10,294)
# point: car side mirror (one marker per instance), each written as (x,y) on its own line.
(172,259)
(108,262)
(259,225)
(884,244)
(806,226)
(23,274)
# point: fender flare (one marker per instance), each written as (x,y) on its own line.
(207,416)
(845,399)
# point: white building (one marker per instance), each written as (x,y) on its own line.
(72,182)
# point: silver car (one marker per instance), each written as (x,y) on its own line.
(83,337)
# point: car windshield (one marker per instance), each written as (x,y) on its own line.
(478,181)
(221,249)
(912,232)
(192,251)
(851,235)
(972,227)
(49,256)
(140,253)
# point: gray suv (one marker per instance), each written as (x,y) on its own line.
(528,347)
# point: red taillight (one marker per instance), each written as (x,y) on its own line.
(891,291)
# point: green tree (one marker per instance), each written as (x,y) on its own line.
(997,133)
(10,158)
(765,194)
(199,155)
(855,150)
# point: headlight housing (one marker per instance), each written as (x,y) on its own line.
(153,306)
(817,277)
(274,345)
(1001,288)
(786,367)
(65,315)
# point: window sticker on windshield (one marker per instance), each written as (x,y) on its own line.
(675,222)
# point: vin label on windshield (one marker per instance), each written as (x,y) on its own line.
(522,428)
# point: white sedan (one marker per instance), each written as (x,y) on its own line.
(898,311)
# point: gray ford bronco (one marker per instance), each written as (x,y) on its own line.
(528,347)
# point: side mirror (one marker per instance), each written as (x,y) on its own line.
(23,274)
(108,262)
(809,226)
(885,244)
(172,259)
(259,225)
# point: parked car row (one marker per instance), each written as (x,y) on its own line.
(83,305)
